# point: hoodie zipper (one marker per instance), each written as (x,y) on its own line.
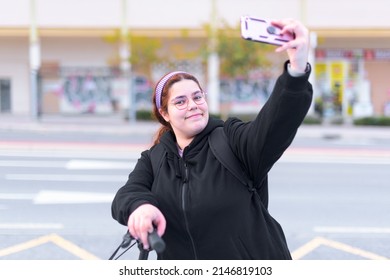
(183,205)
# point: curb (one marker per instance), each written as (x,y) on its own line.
(117,125)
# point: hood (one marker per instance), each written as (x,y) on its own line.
(168,139)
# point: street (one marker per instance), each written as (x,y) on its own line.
(330,194)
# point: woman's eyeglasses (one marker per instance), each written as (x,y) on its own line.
(181,102)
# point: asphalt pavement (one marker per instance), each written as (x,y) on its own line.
(64,139)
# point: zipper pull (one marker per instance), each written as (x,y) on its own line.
(185,172)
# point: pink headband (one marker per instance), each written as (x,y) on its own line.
(161,84)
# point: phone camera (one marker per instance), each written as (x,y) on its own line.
(271,30)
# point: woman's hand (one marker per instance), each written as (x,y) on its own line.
(143,220)
(298,48)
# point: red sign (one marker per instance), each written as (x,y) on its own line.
(367,54)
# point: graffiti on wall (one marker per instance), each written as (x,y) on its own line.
(86,93)
(99,90)
(86,89)
(103,90)
(245,96)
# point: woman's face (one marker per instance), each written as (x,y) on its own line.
(193,118)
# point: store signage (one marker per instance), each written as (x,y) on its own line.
(368,54)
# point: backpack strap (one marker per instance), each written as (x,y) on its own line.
(223,152)
(157,155)
(220,148)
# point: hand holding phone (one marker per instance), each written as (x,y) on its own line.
(261,30)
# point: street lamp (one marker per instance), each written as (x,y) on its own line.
(35,62)
(213,64)
(125,65)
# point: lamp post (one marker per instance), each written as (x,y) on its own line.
(213,64)
(35,62)
(125,65)
(313,46)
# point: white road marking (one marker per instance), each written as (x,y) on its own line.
(32,163)
(66,197)
(369,230)
(98,164)
(342,156)
(127,159)
(333,160)
(66,177)
(16,196)
(60,197)
(30,226)
(73,154)
(71,164)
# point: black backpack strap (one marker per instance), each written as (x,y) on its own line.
(220,147)
(157,155)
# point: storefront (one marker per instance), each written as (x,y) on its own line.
(351,66)
(352,82)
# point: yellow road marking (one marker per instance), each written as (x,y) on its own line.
(72,248)
(24,246)
(85,255)
(306,248)
(318,241)
(54,238)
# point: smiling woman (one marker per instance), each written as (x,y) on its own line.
(199,207)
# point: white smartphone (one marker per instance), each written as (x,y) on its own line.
(261,30)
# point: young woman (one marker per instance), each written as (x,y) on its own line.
(199,208)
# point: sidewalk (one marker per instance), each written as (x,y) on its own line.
(344,132)
(114,124)
(110,124)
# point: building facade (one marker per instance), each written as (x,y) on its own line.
(79,71)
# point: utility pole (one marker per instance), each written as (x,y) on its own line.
(35,62)
(213,64)
(125,65)
(312,48)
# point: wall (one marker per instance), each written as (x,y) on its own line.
(378,74)
(173,13)
(77,51)
(14,66)
(72,30)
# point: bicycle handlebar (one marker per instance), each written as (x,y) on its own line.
(127,238)
(155,241)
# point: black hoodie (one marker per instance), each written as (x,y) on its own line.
(209,213)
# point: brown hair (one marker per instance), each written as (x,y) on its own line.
(166,126)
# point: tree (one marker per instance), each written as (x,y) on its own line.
(144,51)
(237,56)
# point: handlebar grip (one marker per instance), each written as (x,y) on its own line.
(156,242)
(127,238)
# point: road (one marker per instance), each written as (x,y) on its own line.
(330,194)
